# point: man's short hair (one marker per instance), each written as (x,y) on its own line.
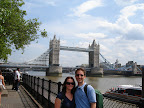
(81,70)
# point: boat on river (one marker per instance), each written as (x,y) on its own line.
(128,93)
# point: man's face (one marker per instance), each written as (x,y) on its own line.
(80,76)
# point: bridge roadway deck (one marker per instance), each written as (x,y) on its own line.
(17,99)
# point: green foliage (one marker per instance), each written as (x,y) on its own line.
(15,31)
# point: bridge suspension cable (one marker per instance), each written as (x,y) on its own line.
(43,59)
(106,63)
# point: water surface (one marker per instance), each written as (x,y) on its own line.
(101,83)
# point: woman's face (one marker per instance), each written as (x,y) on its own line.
(69,84)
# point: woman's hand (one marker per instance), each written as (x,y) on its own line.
(57,103)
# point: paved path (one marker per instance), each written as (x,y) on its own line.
(17,99)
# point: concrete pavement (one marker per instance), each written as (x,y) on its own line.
(18,99)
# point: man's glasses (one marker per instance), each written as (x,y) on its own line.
(68,83)
(79,75)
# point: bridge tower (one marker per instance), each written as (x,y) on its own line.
(94,60)
(54,54)
(54,68)
(94,55)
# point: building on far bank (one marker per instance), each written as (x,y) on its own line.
(83,65)
(117,64)
(1,62)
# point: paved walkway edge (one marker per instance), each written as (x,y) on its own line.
(4,93)
(32,98)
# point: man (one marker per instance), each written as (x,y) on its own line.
(17,79)
(81,99)
(13,86)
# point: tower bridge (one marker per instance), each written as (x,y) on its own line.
(56,69)
(50,60)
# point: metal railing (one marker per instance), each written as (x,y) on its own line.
(44,91)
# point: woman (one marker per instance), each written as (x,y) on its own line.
(2,85)
(65,99)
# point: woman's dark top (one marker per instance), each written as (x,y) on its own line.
(65,102)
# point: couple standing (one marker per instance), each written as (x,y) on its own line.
(75,97)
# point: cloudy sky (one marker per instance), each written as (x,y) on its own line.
(117,25)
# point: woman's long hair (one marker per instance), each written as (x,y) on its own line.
(64,85)
(0,72)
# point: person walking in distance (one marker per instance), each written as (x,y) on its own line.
(83,100)
(17,79)
(13,86)
(2,85)
(65,99)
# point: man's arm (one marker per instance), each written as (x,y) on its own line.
(92,97)
(93,105)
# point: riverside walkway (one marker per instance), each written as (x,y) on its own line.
(17,99)
(45,92)
(22,99)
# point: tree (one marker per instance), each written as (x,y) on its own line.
(15,31)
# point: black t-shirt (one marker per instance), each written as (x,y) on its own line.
(66,103)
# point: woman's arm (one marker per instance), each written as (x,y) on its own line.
(3,81)
(57,103)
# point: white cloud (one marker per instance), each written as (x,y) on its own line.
(70,58)
(52,3)
(37,46)
(91,35)
(131,10)
(124,50)
(63,42)
(99,27)
(125,2)
(86,6)
(32,51)
(83,44)
(29,5)
(128,29)
(40,2)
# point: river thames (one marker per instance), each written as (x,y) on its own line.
(101,83)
